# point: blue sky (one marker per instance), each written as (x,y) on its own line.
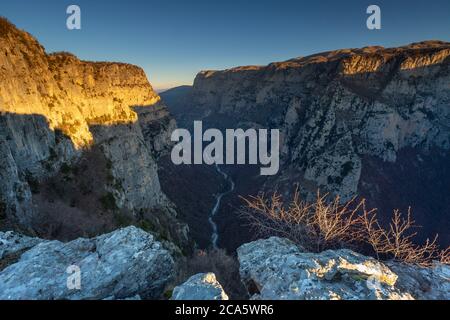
(173,40)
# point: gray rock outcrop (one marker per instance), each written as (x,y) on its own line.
(123,264)
(202,286)
(276,268)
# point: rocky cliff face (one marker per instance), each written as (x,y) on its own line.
(372,121)
(71,94)
(57,110)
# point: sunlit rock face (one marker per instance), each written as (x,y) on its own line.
(71,94)
(276,268)
(55,107)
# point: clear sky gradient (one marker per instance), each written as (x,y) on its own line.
(173,40)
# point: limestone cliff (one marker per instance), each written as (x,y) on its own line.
(71,94)
(56,110)
(371,121)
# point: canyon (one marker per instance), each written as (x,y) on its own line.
(371,122)
(86,175)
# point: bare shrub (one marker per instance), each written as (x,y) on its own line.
(397,241)
(444,256)
(326,224)
(225,267)
(315,226)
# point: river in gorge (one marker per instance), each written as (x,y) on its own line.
(216,207)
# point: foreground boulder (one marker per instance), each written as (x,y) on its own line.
(122,264)
(276,268)
(202,286)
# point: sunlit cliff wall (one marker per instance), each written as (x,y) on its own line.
(54,107)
